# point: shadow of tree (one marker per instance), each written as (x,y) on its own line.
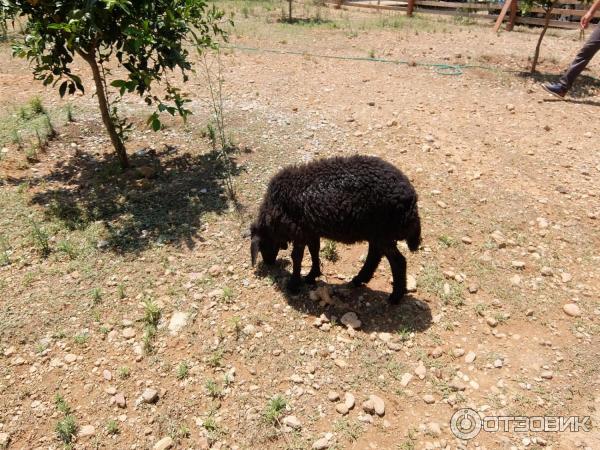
(371,306)
(585,86)
(161,201)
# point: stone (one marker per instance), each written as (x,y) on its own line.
(150,395)
(321,444)
(350,319)
(178,321)
(437,352)
(547,271)
(518,264)
(470,357)
(70,358)
(146,171)
(547,375)
(341,363)
(164,444)
(411,283)
(86,431)
(9,351)
(458,352)
(368,406)
(378,404)
(405,379)
(498,363)
(4,440)
(128,333)
(292,422)
(120,400)
(566,277)
(342,409)
(421,370)
(572,309)
(491,322)
(107,375)
(333,396)
(434,428)
(214,270)
(429,399)
(349,400)
(473,288)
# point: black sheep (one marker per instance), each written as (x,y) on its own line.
(345,199)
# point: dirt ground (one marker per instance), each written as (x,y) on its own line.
(129,307)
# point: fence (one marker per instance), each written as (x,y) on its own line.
(566,13)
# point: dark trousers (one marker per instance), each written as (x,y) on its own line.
(582,59)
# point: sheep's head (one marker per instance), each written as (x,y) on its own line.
(262,241)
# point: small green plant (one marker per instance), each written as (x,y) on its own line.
(69,113)
(16,138)
(121,292)
(211,133)
(31,154)
(480,309)
(148,340)
(215,359)
(124,372)
(183,370)
(4,251)
(350,430)
(404,332)
(96,295)
(68,248)
(40,239)
(210,424)
(36,107)
(61,404)
(274,409)
(236,325)
(227,294)
(82,338)
(151,313)
(447,241)
(213,389)
(112,427)
(66,429)
(183,432)
(51,132)
(329,251)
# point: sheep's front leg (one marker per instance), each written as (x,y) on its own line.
(398,265)
(315,270)
(297,254)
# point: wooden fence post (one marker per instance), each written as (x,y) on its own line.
(507,4)
(410,8)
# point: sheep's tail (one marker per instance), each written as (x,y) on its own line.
(413,231)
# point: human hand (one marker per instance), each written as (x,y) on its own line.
(585,20)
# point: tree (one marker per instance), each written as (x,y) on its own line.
(147,38)
(546,5)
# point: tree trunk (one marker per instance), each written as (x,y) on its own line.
(536,55)
(290,11)
(103,103)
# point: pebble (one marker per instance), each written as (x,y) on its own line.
(292,422)
(473,288)
(86,430)
(470,357)
(164,444)
(350,319)
(547,375)
(349,400)
(214,270)
(333,396)
(341,363)
(177,322)
(106,375)
(70,358)
(566,277)
(437,352)
(491,322)
(405,379)
(429,399)
(374,404)
(411,283)
(434,428)
(498,363)
(518,264)
(341,408)
(120,400)
(572,309)
(458,352)
(128,333)
(421,370)
(546,271)
(150,395)
(321,444)
(4,440)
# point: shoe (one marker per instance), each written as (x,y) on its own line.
(555,89)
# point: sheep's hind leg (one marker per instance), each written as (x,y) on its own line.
(374,256)
(295,281)
(315,270)
(398,265)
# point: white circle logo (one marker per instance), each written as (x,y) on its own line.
(465,423)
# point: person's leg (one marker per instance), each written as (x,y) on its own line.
(582,59)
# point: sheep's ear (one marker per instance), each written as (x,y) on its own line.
(254,249)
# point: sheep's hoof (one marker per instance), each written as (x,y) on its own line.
(357,282)
(293,285)
(396,297)
(311,279)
